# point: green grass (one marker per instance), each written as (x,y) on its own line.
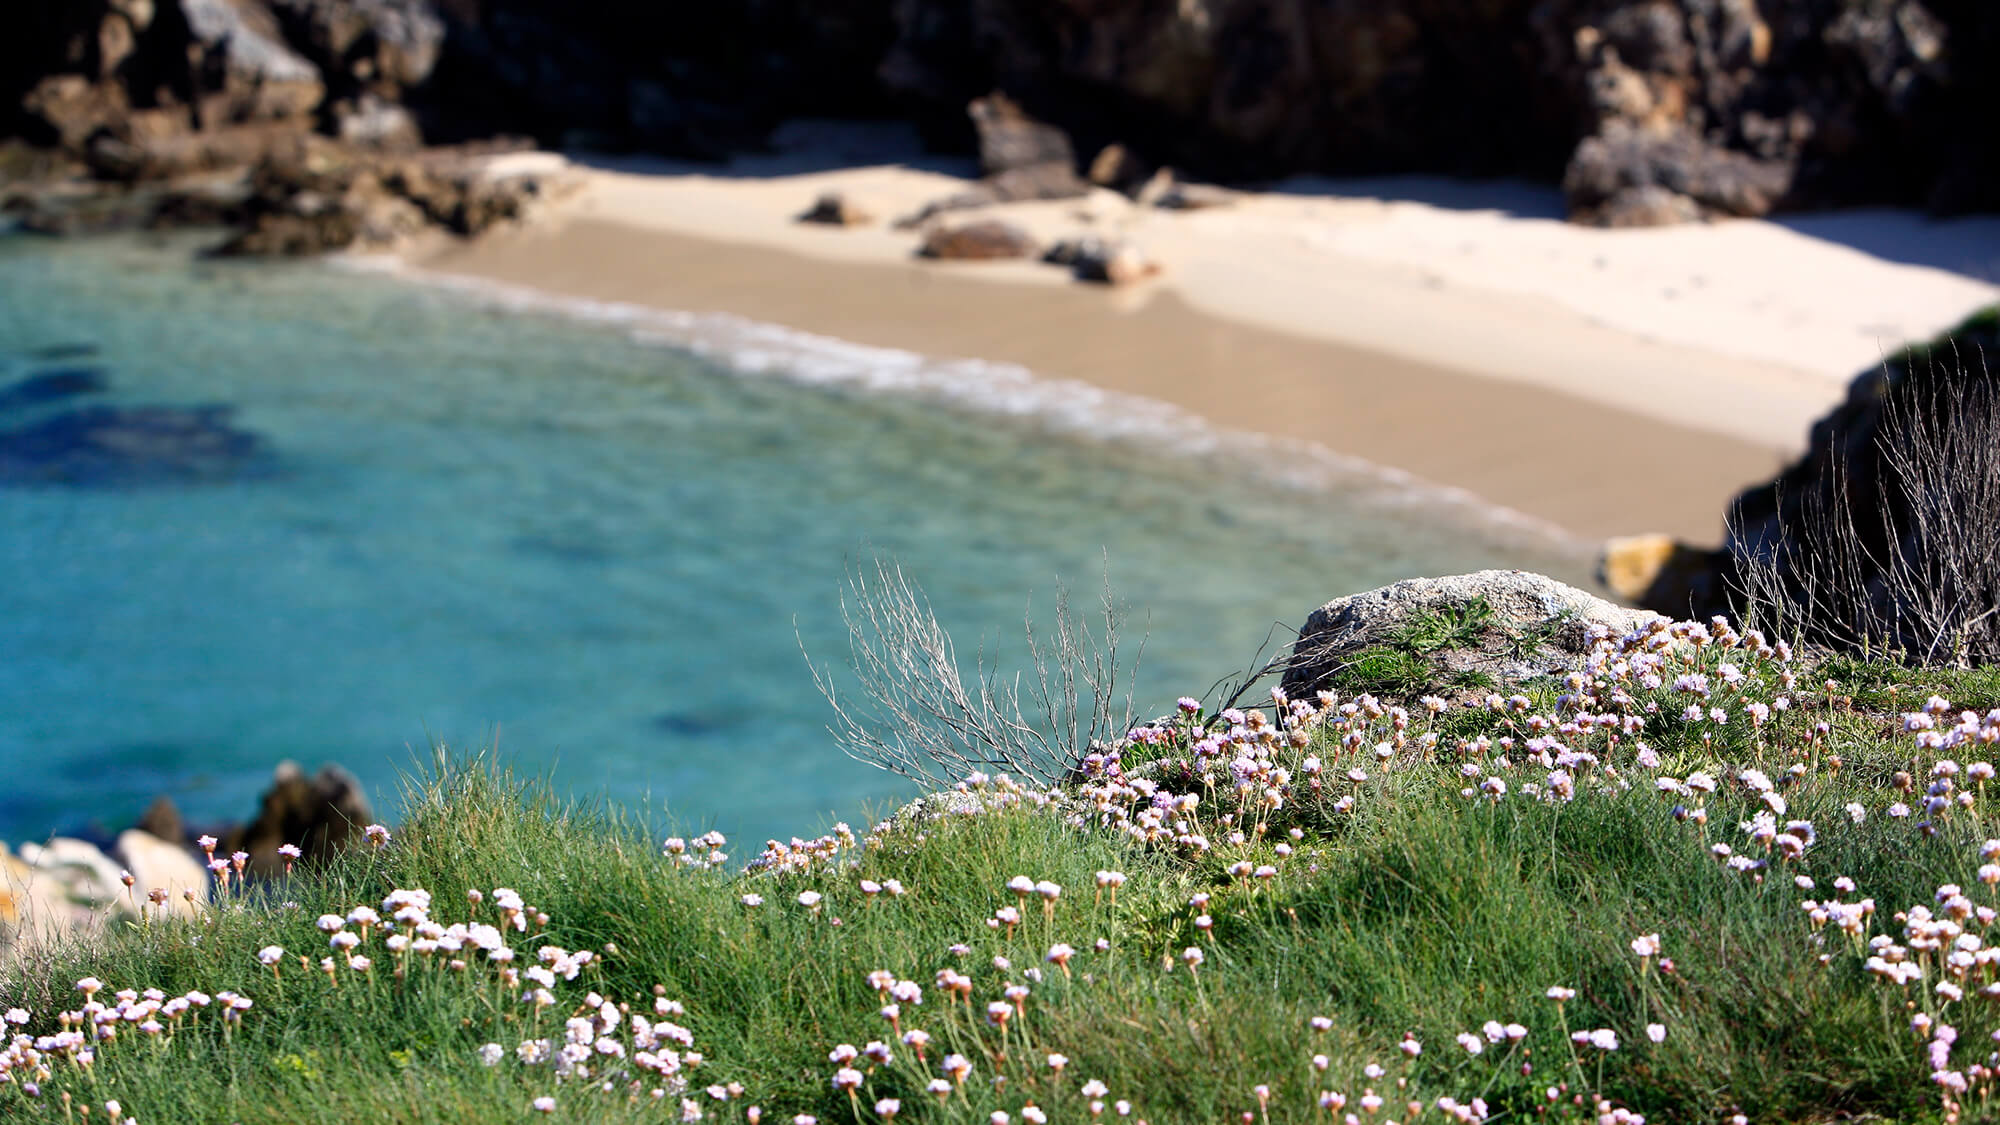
(1403,908)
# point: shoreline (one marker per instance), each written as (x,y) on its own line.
(1233,334)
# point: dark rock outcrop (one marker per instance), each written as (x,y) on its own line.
(1647,110)
(162,820)
(320,815)
(316,196)
(1879,535)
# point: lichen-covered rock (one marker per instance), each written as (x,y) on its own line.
(1506,625)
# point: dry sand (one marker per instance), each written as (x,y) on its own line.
(1605,382)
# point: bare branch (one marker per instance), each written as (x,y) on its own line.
(919,717)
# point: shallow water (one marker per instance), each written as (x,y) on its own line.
(477,523)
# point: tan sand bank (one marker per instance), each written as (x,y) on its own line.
(1510,368)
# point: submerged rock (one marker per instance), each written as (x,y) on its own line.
(128,445)
(1497,625)
(51,386)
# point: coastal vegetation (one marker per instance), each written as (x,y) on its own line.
(1697,877)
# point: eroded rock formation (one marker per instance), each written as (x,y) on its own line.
(1647,111)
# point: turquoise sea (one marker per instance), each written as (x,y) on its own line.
(595,538)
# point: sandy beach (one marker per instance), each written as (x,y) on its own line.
(1605,382)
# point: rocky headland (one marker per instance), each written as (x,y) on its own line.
(317,124)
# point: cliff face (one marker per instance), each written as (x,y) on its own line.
(1647,110)
(1879,538)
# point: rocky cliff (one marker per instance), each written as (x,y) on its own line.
(1880,537)
(1646,110)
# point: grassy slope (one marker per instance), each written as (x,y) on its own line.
(1412,911)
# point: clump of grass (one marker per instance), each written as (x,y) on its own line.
(1690,881)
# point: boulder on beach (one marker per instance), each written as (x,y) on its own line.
(836,209)
(1020,158)
(1466,630)
(988,239)
(1112,262)
(1625,176)
(1183,196)
(1010,139)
